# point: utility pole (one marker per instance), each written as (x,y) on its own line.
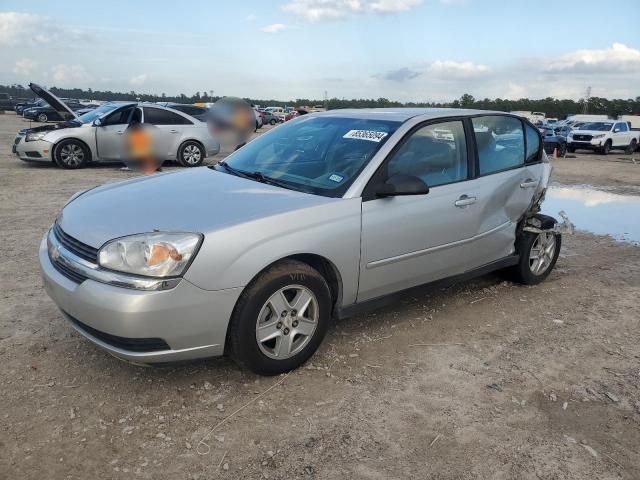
(326,100)
(587,97)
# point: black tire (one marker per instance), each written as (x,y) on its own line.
(571,149)
(242,340)
(273,121)
(632,147)
(606,148)
(524,272)
(43,118)
(71,154)
(191,154)
(562,150)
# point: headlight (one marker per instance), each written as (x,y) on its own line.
(154,254)
(32,137)
(599,135)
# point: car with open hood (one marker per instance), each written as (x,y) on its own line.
(99,135)
(327,215)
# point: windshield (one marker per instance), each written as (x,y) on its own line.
(321,155)
(96,112)
(599,126)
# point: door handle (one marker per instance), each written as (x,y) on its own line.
(173,131)
(464,200)
(528,183)
(119,132)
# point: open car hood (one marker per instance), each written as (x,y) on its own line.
(55,103)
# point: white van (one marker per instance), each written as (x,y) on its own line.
(583,117)
(633,120)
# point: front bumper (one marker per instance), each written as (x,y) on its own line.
(191,321)
(36,151)
(586,144)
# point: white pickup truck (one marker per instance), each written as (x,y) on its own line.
(603,136)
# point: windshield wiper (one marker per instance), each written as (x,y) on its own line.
(259,177)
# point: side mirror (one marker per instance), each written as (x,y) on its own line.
(97,122)
(401,184)
(616,130)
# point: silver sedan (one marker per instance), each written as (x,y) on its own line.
(325,216)
(100,135)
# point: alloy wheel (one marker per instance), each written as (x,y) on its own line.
(287,321)
(542,253)
(72,155)
(191,154)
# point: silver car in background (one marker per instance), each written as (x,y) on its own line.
(99,135)
(327,215)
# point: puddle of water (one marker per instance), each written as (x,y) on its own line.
(596,211)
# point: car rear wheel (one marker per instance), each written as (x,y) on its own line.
(632,146)
(191,154)
(280,318)
(538,255)
(43,117)
(272,121)
(71,154)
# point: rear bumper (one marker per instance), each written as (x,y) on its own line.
(182,323)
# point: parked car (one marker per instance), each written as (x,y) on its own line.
(554,141)
(7,102)
(195,111)
(322,217)
(47,113)
(97,135)
(38,102)
(603,137)
(259,118)
(277,111)
(271,118)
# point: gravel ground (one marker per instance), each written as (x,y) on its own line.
(486,379)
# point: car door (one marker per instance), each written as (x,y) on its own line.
(621,135)
(170,125)
(110,143)
(411,240)
(505,184)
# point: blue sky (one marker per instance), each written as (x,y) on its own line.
(399,49)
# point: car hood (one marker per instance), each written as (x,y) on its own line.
(53,101)
(199,200)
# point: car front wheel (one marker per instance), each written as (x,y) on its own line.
(280,319)
(43,117)
(71,154)
(191,154)
(272,121)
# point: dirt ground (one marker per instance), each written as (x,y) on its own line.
(486,379)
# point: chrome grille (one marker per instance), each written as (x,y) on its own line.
(76,247)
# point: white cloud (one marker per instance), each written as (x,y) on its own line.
(450,69)
(619,58)
(320,10)
(70,75)
(516,91)
(24,67)
(274,28)
(138,79)
(29,29)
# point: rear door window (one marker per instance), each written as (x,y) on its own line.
(500,143)
(156,116)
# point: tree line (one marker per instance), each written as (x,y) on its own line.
(553,107)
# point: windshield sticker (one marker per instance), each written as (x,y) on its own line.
(335,177)
(370,135)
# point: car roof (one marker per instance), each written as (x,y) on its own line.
(401,114)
